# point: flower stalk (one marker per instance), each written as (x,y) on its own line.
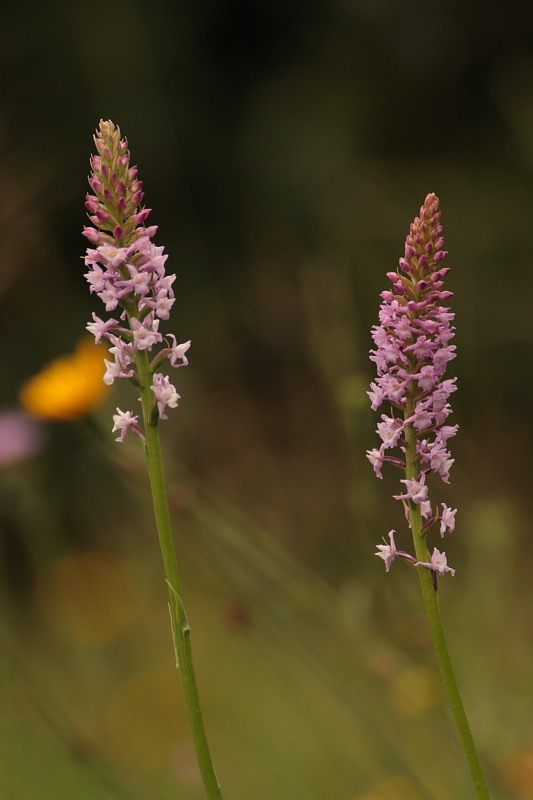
(411,355)
(127,272)
(178,618)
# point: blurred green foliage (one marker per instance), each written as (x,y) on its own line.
(285,147)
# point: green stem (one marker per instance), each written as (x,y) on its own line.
(180,626)
(431,602)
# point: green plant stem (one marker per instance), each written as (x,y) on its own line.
(180,626)
(431,602)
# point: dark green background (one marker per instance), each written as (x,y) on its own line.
(285,147)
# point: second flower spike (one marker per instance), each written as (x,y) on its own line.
(412,352)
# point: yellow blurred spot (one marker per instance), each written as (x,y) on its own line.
(516,770)
(69,387)
(397,787)
(416,690)
(89,597)
(145,724)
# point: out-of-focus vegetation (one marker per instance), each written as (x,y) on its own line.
(285,148)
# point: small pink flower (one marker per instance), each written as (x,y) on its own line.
(417,491)
(438,563)
(124,421)
(447,519)
(427,378)
(145,333)
(176,353)
(165,394)
(99,328)
(114,256)
(421,419)
(390,430)
(389,552)
(376,459)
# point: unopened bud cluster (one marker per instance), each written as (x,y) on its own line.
(127,273)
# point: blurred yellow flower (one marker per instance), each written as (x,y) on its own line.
(416,690)
(89,597)
(69,387)
(397,787)
(516,770)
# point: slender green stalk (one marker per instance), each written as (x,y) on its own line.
(431,602)
(180,626)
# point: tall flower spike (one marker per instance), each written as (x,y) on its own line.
(412,351)
(127,273)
